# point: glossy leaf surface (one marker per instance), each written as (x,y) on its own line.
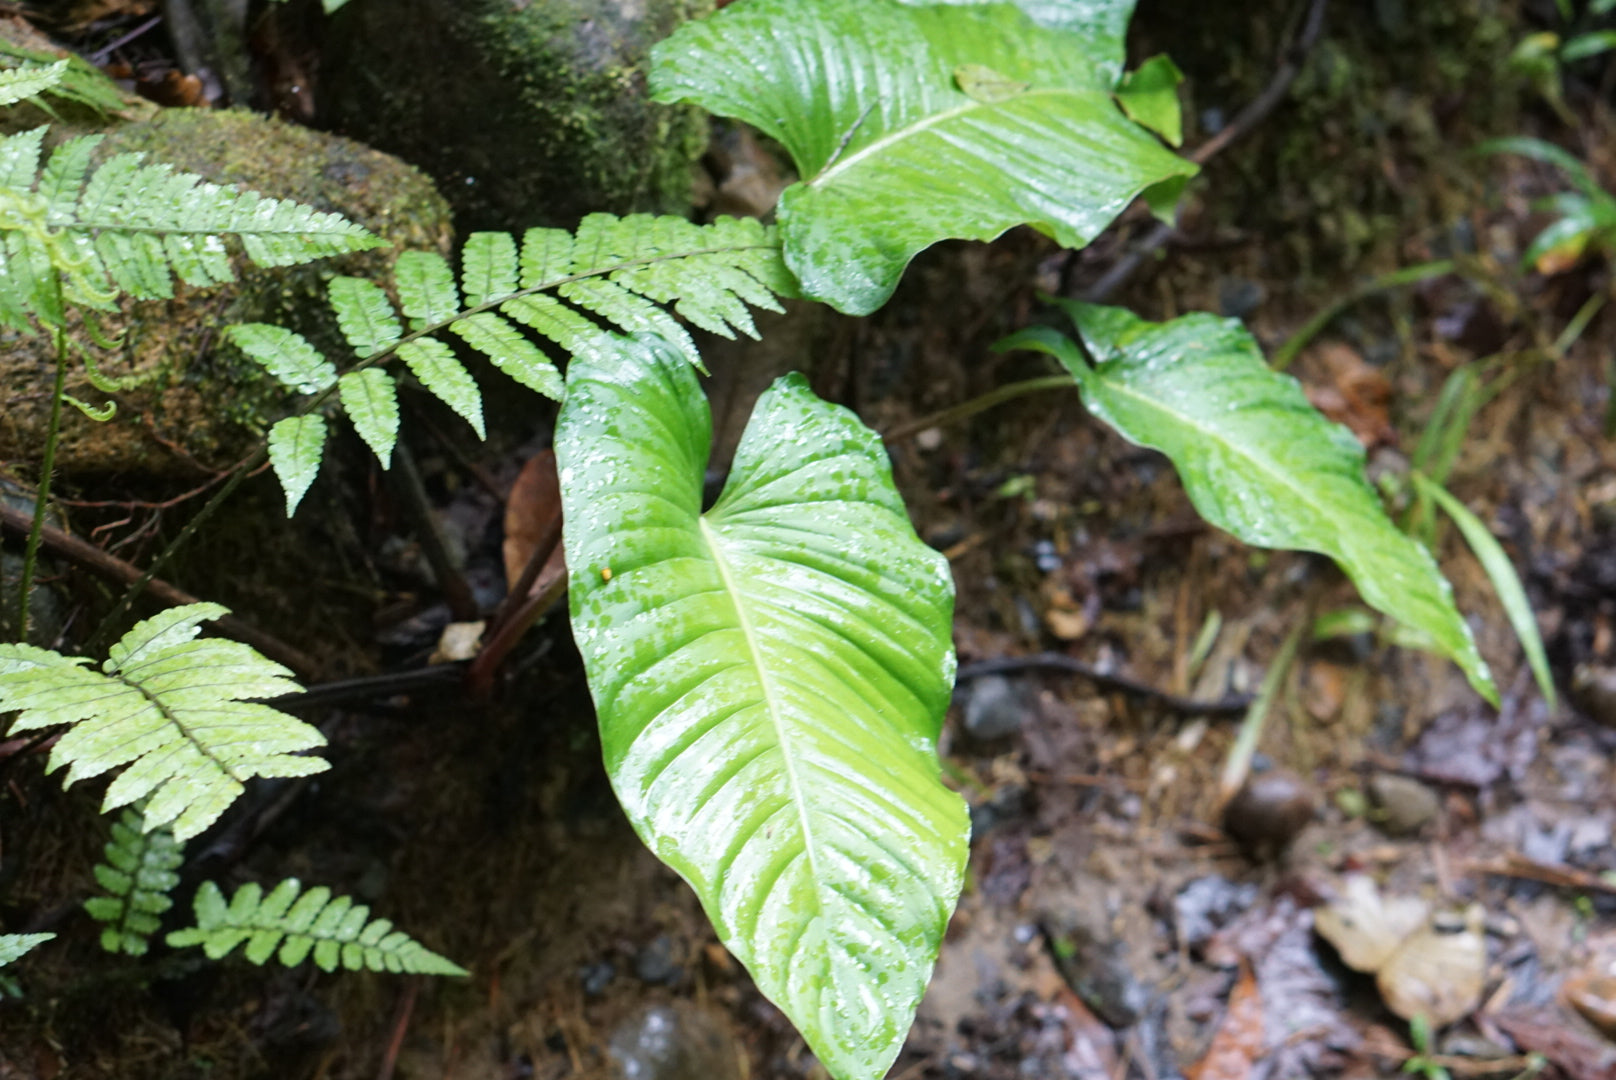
(770,679)
(897,151)
(1256,458)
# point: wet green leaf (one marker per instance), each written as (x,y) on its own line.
(770,679)
(1256,458)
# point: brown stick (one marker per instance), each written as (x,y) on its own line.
(1228,706)
(115,570)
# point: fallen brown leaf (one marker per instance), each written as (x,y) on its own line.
(1238,1044)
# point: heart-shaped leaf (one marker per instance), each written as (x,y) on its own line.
(1256,458)
(770,679)
(912,124)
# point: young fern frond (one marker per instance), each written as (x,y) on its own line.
(132,228)
(173,707)
(13,946)
(138,875)
(565,288)
(335,930)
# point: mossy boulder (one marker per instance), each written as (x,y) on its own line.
(524,112)
(200,401)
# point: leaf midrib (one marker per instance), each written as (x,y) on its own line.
(1214,434)
(839,165)
(770,702)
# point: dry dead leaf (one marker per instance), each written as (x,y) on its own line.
(1422,966)
(1239,1041)
(531,512)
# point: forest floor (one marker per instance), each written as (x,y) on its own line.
(1122,918)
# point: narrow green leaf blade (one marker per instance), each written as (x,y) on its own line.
(296,447)
(13,946)
(898,152)
(371,399)
(1506,583)
(1256,458)
(770,679)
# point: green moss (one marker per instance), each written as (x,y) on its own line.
(525,113)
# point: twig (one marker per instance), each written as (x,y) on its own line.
(480,676)
(115,570)
(1226,706)
(966,409)
(401,1024)
(1244,122)
(462,605)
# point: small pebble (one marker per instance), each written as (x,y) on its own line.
(1404,805)
(1268,812)
(993,708)
(595,978)
(655,964)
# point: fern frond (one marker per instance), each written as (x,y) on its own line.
(29,80)
(335,930)
(569,289)
(81,83)
(13,946)
(171,706)
(138,876)
(132,228)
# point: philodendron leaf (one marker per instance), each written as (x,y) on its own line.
(923,123)
(1256,458)
(1102,24)
(770,679)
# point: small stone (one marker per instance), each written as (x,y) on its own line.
(595,978)
(1403,805)
(1267,813)
(1238,297)
(993,708)
(1593,692)
(674,1042)
(655,963)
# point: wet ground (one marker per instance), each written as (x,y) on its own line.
(1399,845)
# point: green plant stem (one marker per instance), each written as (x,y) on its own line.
(1408,275)
(1238,765)
(105,628)
(42,496)
(967,409)
(1579,322)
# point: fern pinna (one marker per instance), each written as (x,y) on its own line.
(175,708)
(623,272)
(138,875)
(334,929)
(70,236)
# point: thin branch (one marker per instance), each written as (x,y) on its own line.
(1226,706)
(118,572)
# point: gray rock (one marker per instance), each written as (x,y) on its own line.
(527,114)
(674,1042)
(1404,805)
(993,708)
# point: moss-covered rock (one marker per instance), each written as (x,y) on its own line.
(199,398)
(525,112)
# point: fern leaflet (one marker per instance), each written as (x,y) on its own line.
(29,80)
(335,930)
(132,228)
(138,875)
(171,706)
(568,289)
(13,946)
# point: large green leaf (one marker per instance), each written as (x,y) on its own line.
(914,124)
(1256,458)
(1103,24)
(770,678)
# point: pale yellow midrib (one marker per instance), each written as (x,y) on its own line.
(770,701)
